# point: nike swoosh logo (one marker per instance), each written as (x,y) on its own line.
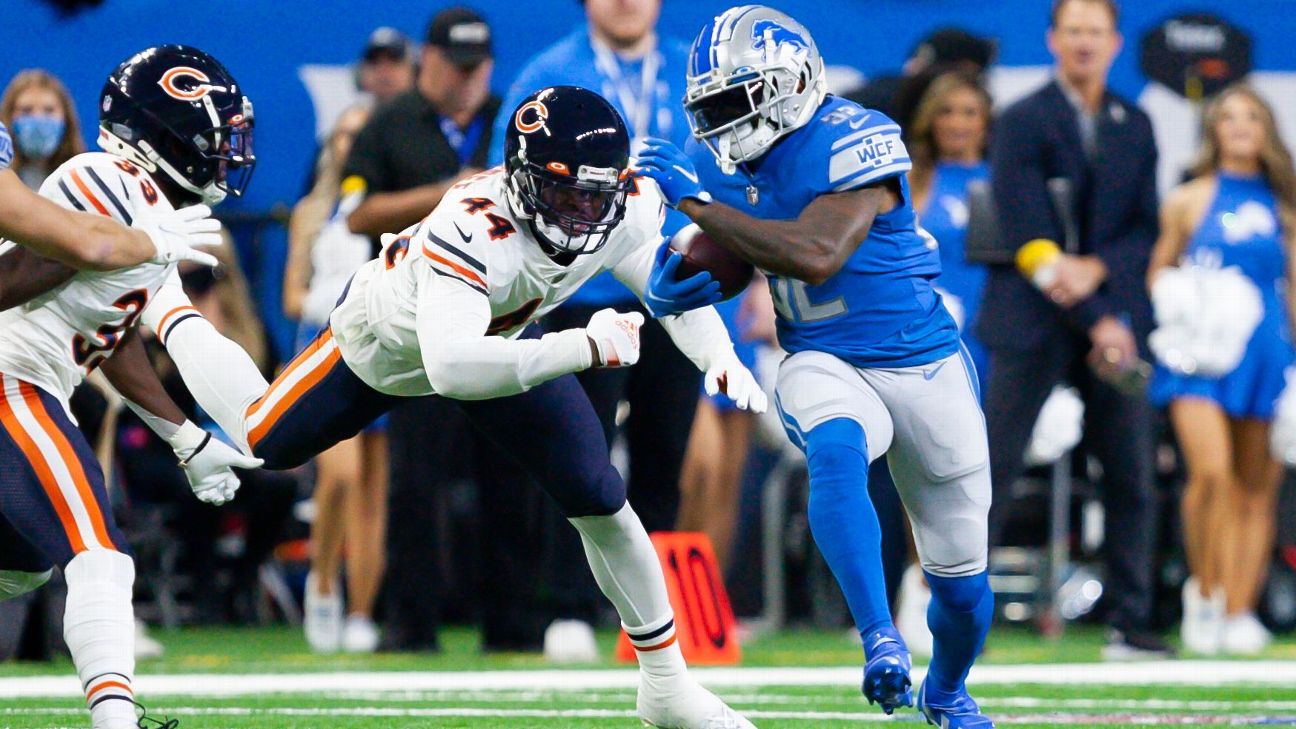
(466,237)
(857,123)
(928,374)
(691,175)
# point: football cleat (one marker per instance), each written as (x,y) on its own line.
(144,721)
(679,702)
(886,674)
(957,711)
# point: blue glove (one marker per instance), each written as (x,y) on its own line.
(6,148)
(672,170)
(666,295)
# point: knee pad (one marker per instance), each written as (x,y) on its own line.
(597,493)
(960,594)
(100,567)
(14,583)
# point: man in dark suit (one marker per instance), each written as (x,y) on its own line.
(1095,310)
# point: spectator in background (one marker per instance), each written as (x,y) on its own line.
(1095,308)
(350,478)
(947,143)
(42,119)
(941,51)
(618,54)
(426,139)
(1240,210)
(403,161)
(386,67)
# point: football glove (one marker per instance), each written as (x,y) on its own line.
(672,170)
(729,375)
(615,336)
(208,463)
(666,295)
(178,234)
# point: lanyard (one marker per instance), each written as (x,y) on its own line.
(639,109)
(464,142)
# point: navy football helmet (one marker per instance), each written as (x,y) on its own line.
(567,167)
(175,109)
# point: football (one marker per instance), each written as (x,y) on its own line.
(702,253)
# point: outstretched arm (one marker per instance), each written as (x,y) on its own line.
(207,462)
(24,275)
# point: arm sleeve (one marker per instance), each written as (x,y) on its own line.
(463,363)
(1127,255)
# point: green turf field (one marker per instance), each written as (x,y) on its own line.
(265,678)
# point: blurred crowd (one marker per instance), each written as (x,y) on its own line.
(1088,351)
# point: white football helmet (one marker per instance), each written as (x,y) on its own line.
(754,75)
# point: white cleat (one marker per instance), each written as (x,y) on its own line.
(322,617)
(570,641)
(679,702)
(360,635)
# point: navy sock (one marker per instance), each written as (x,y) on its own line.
(843,521)
(959,616)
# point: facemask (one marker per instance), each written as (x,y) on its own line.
(37,136)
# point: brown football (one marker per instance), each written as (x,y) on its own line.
(702,253)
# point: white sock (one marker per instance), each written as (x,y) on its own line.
(627,570)
(99,627)
(220,375)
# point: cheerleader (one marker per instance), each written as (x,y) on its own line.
(1238,213)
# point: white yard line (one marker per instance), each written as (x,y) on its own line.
(1173,673)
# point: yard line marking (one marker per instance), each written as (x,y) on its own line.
(1175,673)
(1056,719)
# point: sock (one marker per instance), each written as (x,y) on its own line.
(843,521)
(959,616)
(221,376)
(99,627)
(629,574)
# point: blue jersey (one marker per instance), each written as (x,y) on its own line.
(650,104)
(945,216)
(6,148)
(880,309)
(1241,229)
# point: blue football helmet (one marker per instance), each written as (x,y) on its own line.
(754,75)
(176,110)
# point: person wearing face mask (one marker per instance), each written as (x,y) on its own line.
(43,122)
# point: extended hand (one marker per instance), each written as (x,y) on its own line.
(209,468)
(178,234)
(1114,348)
(672,170)
(667,295)
(730,376)
(614,337)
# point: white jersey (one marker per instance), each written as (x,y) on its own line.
(473,238)
(58,338)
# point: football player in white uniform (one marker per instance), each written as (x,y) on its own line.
(448,308)
(82,240)
(178,132)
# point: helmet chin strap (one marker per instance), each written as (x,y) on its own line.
(146,157)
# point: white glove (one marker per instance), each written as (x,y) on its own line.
(615,336)
(730,376)
(208,463)
(1282,434)
(178,234)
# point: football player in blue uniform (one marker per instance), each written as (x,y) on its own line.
(811,189)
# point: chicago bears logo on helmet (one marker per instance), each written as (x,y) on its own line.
(777,34)
(536,123)
(198,87)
